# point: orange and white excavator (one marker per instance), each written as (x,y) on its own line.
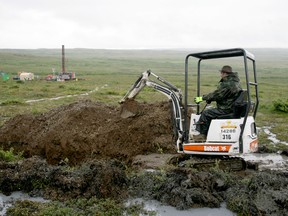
(230,135)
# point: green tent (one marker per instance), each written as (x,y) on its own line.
(5,76)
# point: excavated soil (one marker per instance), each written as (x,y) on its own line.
(85,130)
(88,149)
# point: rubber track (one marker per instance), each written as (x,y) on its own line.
(224,163)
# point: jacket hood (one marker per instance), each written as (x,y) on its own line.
(233,76)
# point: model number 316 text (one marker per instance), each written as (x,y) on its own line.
(226,136)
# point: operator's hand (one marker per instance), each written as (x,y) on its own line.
(198,99)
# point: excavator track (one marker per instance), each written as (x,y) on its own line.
(205,163)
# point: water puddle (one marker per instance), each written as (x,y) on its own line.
(272,136)
(7,201)
(154,205)
(149,205)
(268,161)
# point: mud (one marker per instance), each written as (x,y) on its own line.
(102,179)
(85,130)
(88,149)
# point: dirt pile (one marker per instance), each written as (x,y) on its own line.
(86,129)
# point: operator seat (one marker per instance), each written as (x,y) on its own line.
(240,107)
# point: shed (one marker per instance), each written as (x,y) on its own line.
(26,76)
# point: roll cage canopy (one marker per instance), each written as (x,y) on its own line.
(228,53)
(223,54)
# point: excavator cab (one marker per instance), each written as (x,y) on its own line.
(230,134)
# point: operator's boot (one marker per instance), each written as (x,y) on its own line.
(202,128)
(199,138)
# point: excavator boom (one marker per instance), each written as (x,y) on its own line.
(172,92)
(144,80)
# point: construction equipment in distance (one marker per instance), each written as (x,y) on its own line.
(229,135)
(63,75)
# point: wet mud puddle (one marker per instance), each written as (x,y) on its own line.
(161,210)
(7,201)
(149,205)
(268,161)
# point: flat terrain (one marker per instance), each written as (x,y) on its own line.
(107,75)
(77,146)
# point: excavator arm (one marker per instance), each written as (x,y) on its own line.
(172,92)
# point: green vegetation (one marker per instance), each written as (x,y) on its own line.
(106,75)
(281,105)
(77,207)
(10,156)
(11,102)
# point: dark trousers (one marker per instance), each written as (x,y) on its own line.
(206,118)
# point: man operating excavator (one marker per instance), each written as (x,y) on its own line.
(227,91)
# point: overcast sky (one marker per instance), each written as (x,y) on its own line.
(145,24)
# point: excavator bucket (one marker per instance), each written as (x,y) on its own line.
(130,108)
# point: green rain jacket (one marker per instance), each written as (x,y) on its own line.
(226,92)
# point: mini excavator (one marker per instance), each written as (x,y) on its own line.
(229,136)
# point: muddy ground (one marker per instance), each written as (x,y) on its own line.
(88,149)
